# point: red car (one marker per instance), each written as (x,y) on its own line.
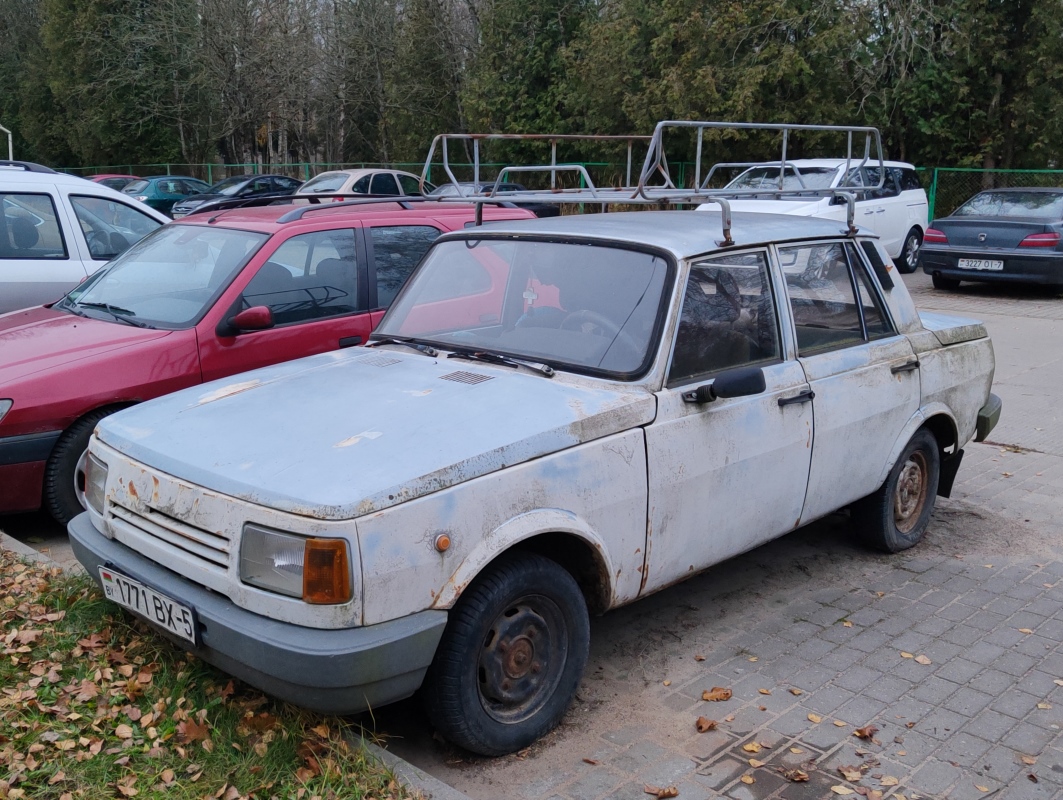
(116,182)
(208,296)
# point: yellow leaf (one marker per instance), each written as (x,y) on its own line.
(748,779)
(1044,706)
(764,691)
(842,790)
(796,692)
(848,623)
(981,788)
(754,658)
(906,655)
(796,751)
(920,659)
(839,724)
(888,780)
(716,694)
(1025,630)
(1058,681)
(1029,760)
(321,730)
(816,718)
(667,683)
(850,773)
(751,747)
(755,763)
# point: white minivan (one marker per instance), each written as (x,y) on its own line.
(897,211)
(56,229)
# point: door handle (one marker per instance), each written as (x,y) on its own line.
(806,396)
(350,341)
(909,367)
(868,212)
(881,211)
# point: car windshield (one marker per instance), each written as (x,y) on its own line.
(229,186)
(1043,205)
(768,178)
(585,307)
(135,187)
(168,279)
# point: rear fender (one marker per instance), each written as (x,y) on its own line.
(917,421)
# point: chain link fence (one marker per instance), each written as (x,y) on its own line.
(948,188)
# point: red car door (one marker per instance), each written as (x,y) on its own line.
(314,284)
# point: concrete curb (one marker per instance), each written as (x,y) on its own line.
(415,778)
(24,550)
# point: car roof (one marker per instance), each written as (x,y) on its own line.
(683,233)
(360,171)
(267,219)
(833,163)
(1012,189)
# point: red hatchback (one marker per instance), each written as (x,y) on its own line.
(206,297)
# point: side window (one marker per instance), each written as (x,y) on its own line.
(908,179)
(260,186)
(820,286)
(110,227)
(889,186)
(728,318)
(409,185)
(283,185)
(876,322)
(396,251)
(383,183)
(309,277)
(30,228)
(361,186)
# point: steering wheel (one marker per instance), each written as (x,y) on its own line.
(600,325)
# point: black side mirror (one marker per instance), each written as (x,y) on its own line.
(740,382)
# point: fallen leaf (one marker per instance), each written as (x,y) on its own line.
(591,761)
(729,718)
(1006,474)
(842,790)
(796,692)
(1029,760)
(796,751)
(699,658)
(167,776)
(123,732)
(1044,706)
(751,747)
(59,776)
(921,659)
(704,724)
(189,731)
(880,594)
(661,792)
(902,752)
(816,718)
(848,623)
(981,788)
(1058,681)
(1025,630)
(851,773)
(764,691)
(906,655)
(667,683)
(839,724)
(755,763)
(1032,778)
(795,775)
(888,780)
(748,779)
(716,694)
(988,566)
(762,708)
(866,732)
(754,659)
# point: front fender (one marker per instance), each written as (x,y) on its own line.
(511,533)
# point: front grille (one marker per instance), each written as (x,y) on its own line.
(211,550)
(466,377)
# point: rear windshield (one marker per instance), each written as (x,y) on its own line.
(134,187)
(768,178)
(327,182)
(1043,205)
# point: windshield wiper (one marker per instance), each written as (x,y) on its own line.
(498,358)
(420,348)
(119,313)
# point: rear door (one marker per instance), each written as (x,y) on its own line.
(315,285)
(38,262)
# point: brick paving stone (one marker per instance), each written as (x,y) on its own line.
(667,772)
(968,702)
(941,723)
(857,678)
(1015,663)
(983,653)
(598,781)
(639,755)
(934,777)
(721,772)
(959,670)
(1027,738)
(860,710)
(963,749)
(934,690)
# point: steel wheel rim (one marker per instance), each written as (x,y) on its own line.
(79,480)
(522,658)
(909,497)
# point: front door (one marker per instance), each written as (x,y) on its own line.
(725,475)
(864,374)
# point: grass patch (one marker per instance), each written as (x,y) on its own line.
(94,704)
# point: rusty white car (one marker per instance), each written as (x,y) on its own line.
(556,417)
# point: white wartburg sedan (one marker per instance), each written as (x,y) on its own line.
(556,417)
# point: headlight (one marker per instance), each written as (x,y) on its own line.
(314,570)
(95,483)
(141,197)
(5,406)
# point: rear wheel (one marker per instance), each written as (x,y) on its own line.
(896,516)
(64,474)
(910,251)
(944,283)
(511,657)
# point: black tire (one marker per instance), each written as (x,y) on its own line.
(60,492)
(511,657)
(895,517)
(947,284)
(909,258)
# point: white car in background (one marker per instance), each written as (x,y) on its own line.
(898,211)
(381,182)
(56,229)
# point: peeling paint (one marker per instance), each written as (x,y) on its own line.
(359,437)
(227,391)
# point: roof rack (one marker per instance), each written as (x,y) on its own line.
(863,146)
(27,166)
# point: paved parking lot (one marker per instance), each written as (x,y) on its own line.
(953,650)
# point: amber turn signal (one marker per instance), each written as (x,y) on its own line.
(326,571)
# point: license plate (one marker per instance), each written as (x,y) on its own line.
(178,619)
(981,263)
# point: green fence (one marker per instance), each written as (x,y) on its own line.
(949,187)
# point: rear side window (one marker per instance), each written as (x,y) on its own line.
(110,227)
(908,179)
(396,251)
(29,227)
(383,183)
(411,185)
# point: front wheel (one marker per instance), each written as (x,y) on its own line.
(64,474)
(896,516)
(511,657)
(910,252)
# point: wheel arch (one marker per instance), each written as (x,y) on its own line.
(938,419)
(110,408)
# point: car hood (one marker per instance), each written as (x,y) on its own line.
(200,198)
(39,339)
(344,434)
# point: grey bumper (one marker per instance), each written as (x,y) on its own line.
(329,671)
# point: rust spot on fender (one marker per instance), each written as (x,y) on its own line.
(132,489)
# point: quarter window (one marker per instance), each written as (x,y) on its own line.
(728,317)
(309,277)
(396,251)
(30,228)
(383,183)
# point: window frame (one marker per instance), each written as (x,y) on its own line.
(370,252)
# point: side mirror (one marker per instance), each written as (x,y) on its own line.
(740,382)
(256,318)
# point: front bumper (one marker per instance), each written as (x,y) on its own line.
(1037,268)
(22,462)
(329,671)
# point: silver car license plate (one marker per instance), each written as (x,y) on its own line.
(980,263)
(154,606)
